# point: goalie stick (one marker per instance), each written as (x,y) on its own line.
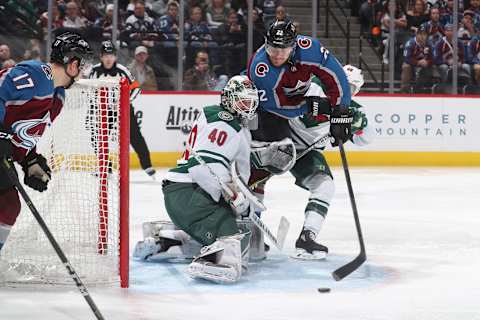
(12,175)
(320,140)
(256,220)
(353,265)
(284,225)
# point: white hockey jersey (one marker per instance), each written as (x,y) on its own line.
(219,139)
(305,130)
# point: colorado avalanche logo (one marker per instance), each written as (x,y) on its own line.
(48,71)
(28,132)
(304,43)
(261,69)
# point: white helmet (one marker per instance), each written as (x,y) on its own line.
(355,78)
(240,96)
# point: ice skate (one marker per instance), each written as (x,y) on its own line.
(307,248)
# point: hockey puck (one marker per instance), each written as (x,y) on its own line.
(323,290)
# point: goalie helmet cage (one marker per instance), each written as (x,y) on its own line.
(86,204)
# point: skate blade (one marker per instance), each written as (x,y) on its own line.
(302,254)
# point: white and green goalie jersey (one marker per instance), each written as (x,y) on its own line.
(219,139)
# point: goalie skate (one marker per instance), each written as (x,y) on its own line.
(307,249)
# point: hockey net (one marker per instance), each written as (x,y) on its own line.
(86,204)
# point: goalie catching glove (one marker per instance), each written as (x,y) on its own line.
(276,157)
(37,172)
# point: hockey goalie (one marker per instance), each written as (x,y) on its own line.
(200,197)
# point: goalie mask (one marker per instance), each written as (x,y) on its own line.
(355,78)
(240,97)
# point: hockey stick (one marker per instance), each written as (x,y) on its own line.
(353,265)
(259,223)
(320,140)
(7,165)
(284,225)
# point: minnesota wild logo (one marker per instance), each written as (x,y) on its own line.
(225,116)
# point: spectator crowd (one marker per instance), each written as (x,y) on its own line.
(424,34)
(215,35)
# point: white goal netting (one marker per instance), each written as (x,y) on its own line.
(82,204)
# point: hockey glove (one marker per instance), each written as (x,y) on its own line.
(238,202)
(341,125)
(318,107)
(276,157)
(240,205)
(37,172)
(6,149)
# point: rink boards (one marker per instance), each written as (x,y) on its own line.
(420,130)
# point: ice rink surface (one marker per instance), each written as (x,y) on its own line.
(422,234)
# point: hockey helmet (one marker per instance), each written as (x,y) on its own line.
(281,34)
(70,46)
(108,47)
(240,96)
(355,78)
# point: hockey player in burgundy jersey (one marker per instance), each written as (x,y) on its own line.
(31,97)
(282,70)
(303,89)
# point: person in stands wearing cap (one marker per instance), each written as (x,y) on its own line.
(104,24)
(443,57)
(467,29)
(417,62)
(109,68)
(142,71)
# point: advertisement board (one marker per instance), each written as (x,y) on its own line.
(409,130)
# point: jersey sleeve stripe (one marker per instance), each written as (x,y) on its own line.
(126,72)
(192,162)
(4,74)
(214,155)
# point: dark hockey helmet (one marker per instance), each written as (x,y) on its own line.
(68,46)
(108,47)
(281,34)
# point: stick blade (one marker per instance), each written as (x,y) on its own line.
(350,267)
(282,232)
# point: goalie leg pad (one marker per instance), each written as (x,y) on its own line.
(257,241)
(220,262)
